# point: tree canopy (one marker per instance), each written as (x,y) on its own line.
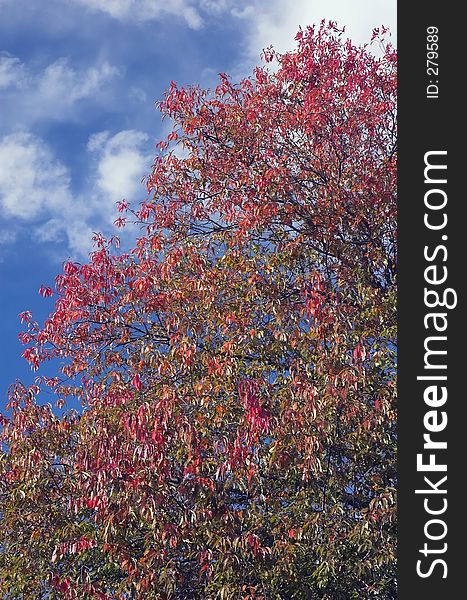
(236,368)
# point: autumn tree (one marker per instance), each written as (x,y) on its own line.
(236,368)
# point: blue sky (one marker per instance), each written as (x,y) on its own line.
(78,127)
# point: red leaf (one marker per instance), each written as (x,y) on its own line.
(136,381)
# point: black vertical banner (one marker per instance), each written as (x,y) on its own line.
(432,428)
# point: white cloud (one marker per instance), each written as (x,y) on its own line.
(31,180)
(52,93)
(7,236)
(79,234)
(146,10)
(215,7)
(60,81)
(119,162)
(137,94)
(244,12)
(12,72)
(118,9)
(51,231)
(36,191)
(122,161)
